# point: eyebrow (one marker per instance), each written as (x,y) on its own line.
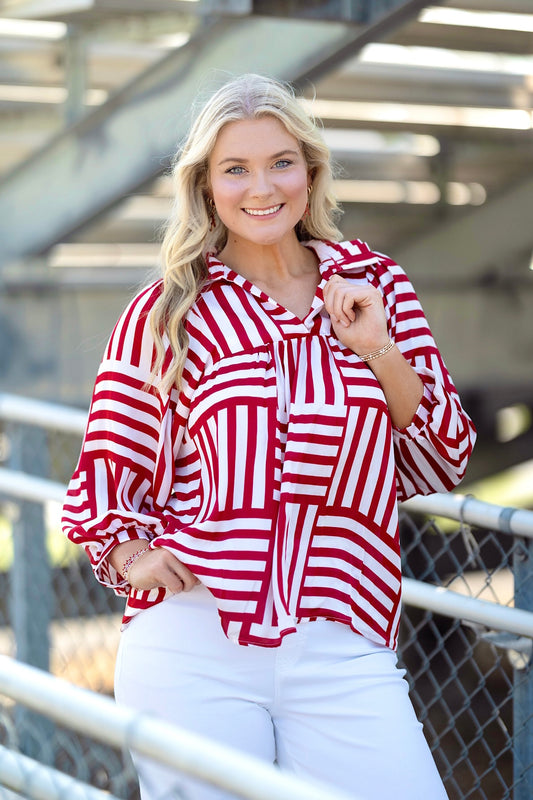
(274,155)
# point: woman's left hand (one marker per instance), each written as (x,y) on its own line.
(357,315)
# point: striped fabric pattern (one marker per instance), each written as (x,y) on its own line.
(274,473)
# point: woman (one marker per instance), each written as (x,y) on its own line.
(257,416)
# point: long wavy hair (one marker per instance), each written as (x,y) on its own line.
(190,231)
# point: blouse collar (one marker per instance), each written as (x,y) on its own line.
(333,257)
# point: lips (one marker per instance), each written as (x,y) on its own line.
(262,212)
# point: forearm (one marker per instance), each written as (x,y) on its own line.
(119,555)
(402,386)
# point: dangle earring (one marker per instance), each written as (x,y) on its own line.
(307,210)
(212,210)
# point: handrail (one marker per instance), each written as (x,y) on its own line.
(415,593)
(30,487)
(470,609)
(36,781)
(122,727)
(465,508)
(14,408)
(52,416)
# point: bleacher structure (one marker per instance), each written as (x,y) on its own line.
(428,111)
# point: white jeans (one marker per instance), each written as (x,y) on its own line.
(326,704)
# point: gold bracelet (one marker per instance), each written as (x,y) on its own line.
(378,353)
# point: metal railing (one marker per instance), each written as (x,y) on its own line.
(34,781)
(448,575)
(122,727)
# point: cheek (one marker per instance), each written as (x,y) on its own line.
(297,188)
(300,182)
(226,191)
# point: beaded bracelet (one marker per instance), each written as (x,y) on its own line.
(131,560)
(378,353)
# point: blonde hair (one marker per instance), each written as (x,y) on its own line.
(190,232)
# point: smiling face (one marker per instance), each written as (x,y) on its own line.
(258,178)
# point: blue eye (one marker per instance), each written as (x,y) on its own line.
(235,170)
(282,163)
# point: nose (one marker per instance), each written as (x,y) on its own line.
(261,185)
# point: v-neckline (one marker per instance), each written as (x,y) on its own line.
(317,301)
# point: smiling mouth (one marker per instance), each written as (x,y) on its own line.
(262,212)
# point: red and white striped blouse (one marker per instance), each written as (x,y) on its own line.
(274,473)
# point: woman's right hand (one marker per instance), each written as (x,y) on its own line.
(159,567)
(154,568)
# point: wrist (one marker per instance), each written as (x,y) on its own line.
(130,561)
(377,353)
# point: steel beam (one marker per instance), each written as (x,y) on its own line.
(361,12)
(379,18)
(76,74)
(128,141)
(480,242)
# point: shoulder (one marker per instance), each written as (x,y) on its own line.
(352,256)
(335,256)
(142,303)
(133,325)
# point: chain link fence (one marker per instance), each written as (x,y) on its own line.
(54,615)
(472,687)
(466,680)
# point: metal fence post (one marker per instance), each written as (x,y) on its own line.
(31,590)
(523,679)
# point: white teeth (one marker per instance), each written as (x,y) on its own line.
(257,212)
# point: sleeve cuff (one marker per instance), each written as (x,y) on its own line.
(104,571)
(433,395)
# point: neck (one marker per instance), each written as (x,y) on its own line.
(272,263)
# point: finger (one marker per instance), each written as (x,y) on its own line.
(332,302)
(333,283)
(341,303)
(173,582)
(349,305)
(187,578)
(341,296)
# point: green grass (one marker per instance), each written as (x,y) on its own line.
(6,545)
